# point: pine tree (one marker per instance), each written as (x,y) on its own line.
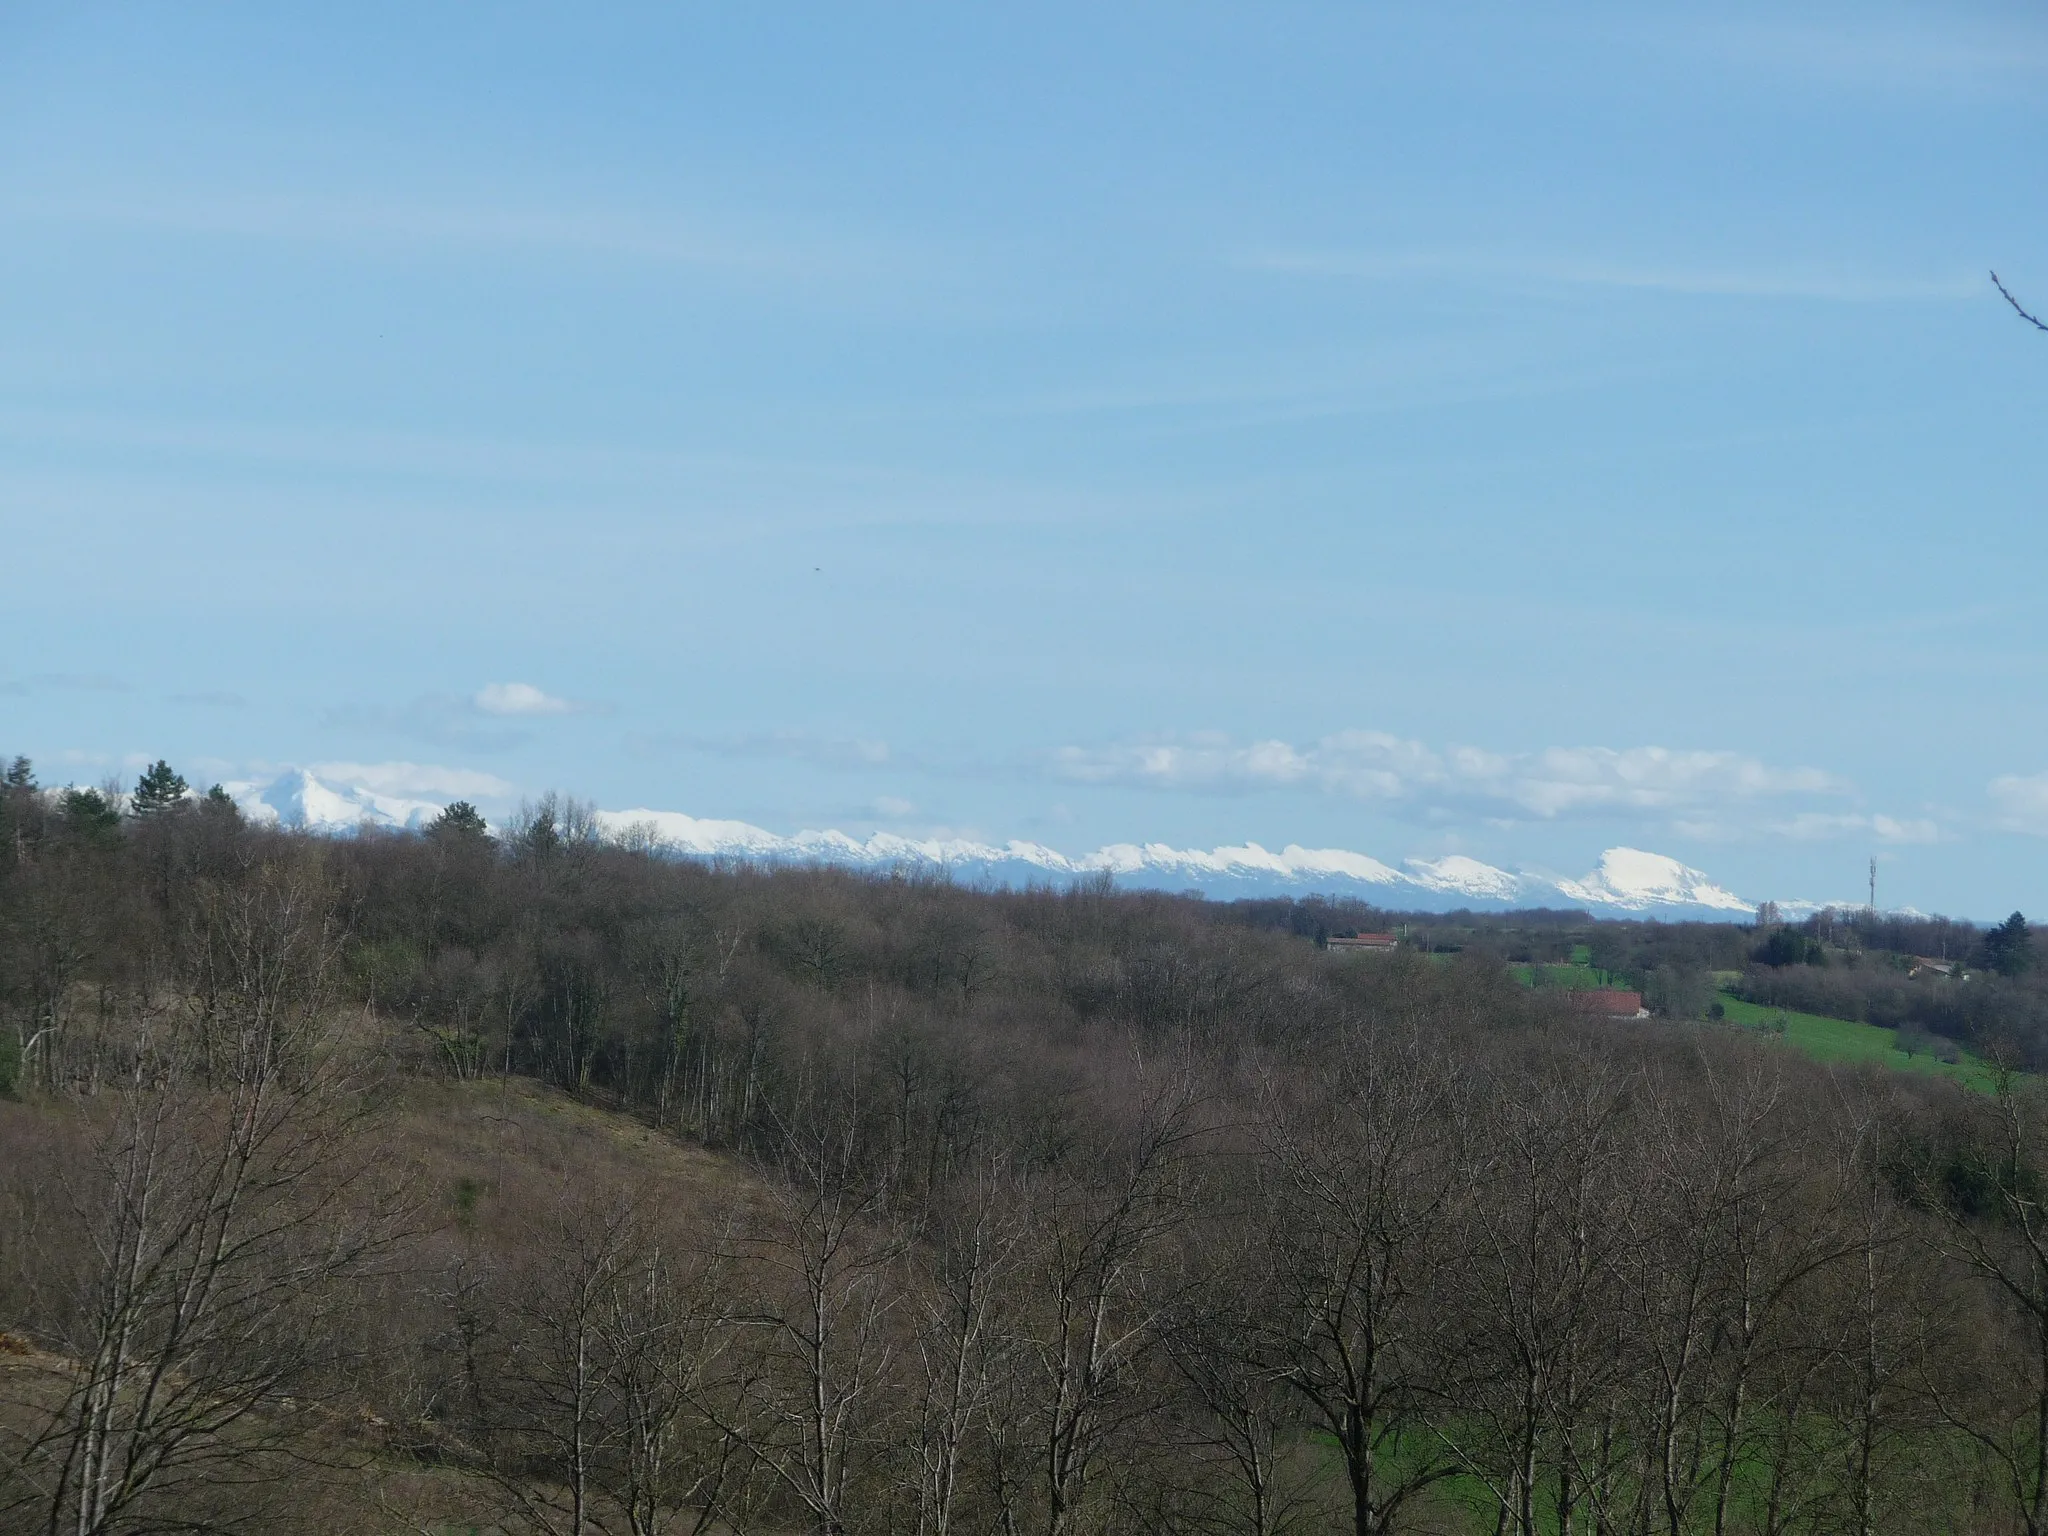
(2008,949)
(159,790)
(218,802)
(459,820)
(21,774)
(90,813)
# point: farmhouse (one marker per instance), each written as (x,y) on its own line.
(1608,1003)
(1364,944)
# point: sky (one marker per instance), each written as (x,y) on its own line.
(1416,430)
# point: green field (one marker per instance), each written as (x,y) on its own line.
(1574,977)
(1844,1040)
(1821,1038)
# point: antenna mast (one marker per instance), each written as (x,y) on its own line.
(1873,885)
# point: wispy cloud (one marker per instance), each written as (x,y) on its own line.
(2020,802)
(1826,826)
(522,699)
(398,778)
(488,720)
(718,244)
(1945,51)
(1519,786)
(1781,281)
(67,682)
(796,746)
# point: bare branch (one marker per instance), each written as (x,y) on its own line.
(2032,320)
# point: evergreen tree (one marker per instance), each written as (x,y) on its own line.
(90,813)
(20,774)
(218,802)
(459,820)
(159,790)
(2008,948)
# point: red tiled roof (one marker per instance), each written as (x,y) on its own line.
(1608,1002)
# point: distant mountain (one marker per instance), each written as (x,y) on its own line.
(296,799)
(1627,881)
(1634,881)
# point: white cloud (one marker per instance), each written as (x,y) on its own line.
(1376,766)
(2022,802)
(797,746)
(1818,826)
(520,699)
(415,779)
(890,808)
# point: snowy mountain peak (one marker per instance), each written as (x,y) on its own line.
(1636,881)
(1628,880)
(297,799)
(1465,877)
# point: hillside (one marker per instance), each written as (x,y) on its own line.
(544,1183)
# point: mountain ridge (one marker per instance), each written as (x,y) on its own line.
(1626,881)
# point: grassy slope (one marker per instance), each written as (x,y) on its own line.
(483,1156)
(1846,1041)
(1824,1039)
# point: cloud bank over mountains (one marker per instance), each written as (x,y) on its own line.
(1625,880)
(1376,766)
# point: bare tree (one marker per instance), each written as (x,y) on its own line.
(821,1311)
(962,1273)
(612,1388)
(226,1203)
(1363,1172)
(1538,1295)
(2005,1246)
(1098,1246)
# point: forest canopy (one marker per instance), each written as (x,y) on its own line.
(532,1182)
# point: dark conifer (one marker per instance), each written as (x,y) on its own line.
(459,820)
(90,813)
(2008,948)
(160,789)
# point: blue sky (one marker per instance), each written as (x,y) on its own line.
(1415,430)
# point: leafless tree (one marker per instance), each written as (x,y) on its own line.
(1096,1274)
(821,1313)
(612,1388)
(1538,1294)
(2005,1247)
(1361,1173)
(200,1257)
(961,1286)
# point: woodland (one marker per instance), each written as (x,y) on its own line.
(532,1181)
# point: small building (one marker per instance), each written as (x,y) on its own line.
(1364,944)
(1609,1003)
(1924,966)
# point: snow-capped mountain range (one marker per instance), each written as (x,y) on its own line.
(1626,881)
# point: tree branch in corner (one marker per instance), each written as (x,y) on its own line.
(2032,320)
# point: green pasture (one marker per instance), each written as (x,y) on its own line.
(1575,976)
(1847,1041)
(1461,1504)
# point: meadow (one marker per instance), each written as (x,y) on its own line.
(1847,1042)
